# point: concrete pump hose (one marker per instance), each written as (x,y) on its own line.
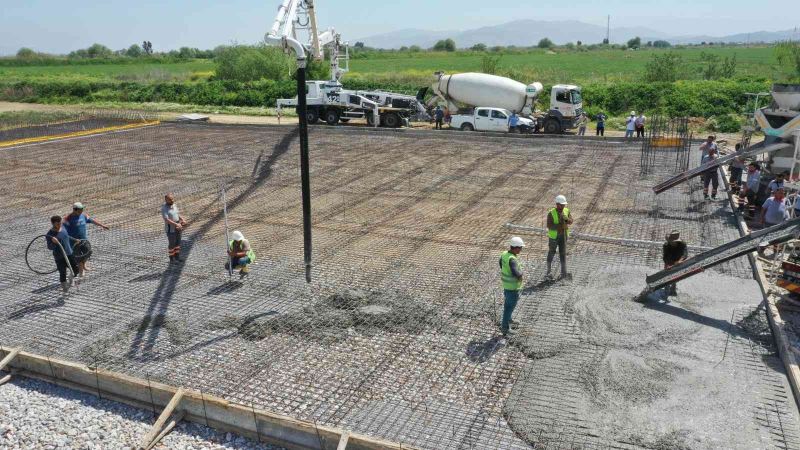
(63,253)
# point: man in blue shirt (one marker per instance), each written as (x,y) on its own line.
(601,124)
(438,115)
(75,224)
(513,122)
(60,243)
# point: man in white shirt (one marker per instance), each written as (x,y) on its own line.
(173,226)
(777,183)
(630,125)
(708,145)
(640,125)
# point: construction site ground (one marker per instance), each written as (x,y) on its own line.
(397,335)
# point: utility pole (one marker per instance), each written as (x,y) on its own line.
(608,29)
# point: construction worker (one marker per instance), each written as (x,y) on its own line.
(777,183)
(173,226)
(438,114)
(709,144)
(75,224)
(511,277)
(750,188)
(558,221)
(58,239)
(513,122)
(630,125)
(241,254)
(674,252)
(710,176)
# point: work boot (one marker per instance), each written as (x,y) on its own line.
(713,196)
(565,276)
(705,196)
(244,271)
(514,324)
(66,285)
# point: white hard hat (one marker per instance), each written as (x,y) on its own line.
(633,113)
(237,235)
(516,241)
(561,200)
(77,205)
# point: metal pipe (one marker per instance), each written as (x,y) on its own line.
(305,176)
(227,238)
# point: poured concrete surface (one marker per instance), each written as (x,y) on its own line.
(414,222)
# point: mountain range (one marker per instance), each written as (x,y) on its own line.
(526,33)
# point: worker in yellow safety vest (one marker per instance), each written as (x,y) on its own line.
(241,254)
(558,222)
(511,277)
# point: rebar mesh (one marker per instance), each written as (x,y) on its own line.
(666,145)
(397,335)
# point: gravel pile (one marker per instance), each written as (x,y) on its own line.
(38,415)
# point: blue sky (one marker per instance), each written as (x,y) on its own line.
(60,26)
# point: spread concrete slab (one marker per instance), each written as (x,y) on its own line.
(397,335)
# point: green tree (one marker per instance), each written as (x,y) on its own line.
(715,67)
(246,63)
(134,51)
(478,48)
(661,44)
(635,42)
(359,45)
(664,67)
(415,49)
(187,53)
(447,45)
(25,53)
(545,43)
(788,55)
(98,51)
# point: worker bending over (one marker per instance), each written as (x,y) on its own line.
(75,224)
(674,252)
(558,222)
(173,225)
(241,254)
(511,277)
(58,239)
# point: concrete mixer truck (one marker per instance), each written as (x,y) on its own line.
(465,92)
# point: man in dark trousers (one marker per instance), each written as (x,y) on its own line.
(438,114)
(675,252)
(58,239)
(558,222)
(511,277)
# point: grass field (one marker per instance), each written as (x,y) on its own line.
(538,65)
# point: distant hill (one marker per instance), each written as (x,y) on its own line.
(526,33)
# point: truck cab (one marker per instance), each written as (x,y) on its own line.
(566,105)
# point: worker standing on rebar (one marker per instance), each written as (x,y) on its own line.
(173,225)
(58,239)
(737,169)
(710,176)
(600,130)
(558,221)
(75,224)
(708,145)
(630,125)
(511,277)
(674,252)
(438,114)
(240,253)
(640,120)
(750,189)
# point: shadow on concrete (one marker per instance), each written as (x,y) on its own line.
(48,288)
(141,346)
(225,288)
(658,301)
(37,307)
(147,277)
(480,352)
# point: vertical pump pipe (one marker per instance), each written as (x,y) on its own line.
(227,237)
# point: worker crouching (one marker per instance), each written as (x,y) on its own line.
(511,277)
(240,253)
(558,222)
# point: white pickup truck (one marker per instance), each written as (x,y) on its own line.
(488,119)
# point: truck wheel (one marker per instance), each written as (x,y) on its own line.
(370,119)
(392,120)
(331,116)
(467,127)
(552,126)
(312,116)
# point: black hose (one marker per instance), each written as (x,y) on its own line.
(63,252)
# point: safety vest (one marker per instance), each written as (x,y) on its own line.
(510,282)
(251,255)
(553,234)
